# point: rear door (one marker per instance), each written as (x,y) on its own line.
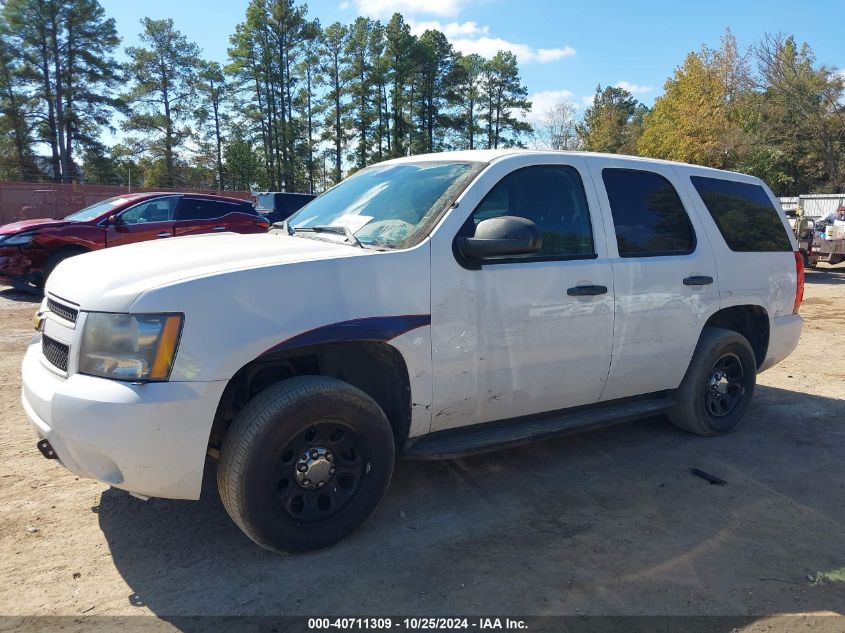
(147,220)
(664,275)
(752,241)
(205,215)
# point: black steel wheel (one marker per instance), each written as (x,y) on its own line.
(319,472)
(305,463)
(717,388)
(725,387)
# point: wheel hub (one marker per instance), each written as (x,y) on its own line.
(718,383)
(315,468)
(724,387)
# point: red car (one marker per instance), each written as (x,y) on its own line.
(31,249)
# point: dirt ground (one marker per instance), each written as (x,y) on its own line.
(607,522)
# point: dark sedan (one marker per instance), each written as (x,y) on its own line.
(31,249)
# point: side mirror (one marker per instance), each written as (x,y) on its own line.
(499,237)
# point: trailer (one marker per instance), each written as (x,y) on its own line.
(831,251)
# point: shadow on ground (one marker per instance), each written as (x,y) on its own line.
(23,296)
(607,522)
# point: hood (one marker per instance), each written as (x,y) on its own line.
(111,279)
(31,225)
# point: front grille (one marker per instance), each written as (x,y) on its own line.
(54,352)
(65,312)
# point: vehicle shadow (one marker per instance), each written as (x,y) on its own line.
(827,276)
(606,522)
(25,296)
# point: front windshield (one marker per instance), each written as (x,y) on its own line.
(89,213)
(389,206)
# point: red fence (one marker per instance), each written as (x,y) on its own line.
(27,200)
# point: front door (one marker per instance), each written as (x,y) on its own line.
(528,334)
(148,220)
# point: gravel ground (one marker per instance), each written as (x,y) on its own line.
(607,522)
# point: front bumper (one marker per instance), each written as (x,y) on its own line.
(150,439)
(19,266)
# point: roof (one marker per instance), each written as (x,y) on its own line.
(491,155)
(152,194)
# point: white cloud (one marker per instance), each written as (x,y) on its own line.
(489,46)
(544,101)
(450,30)
(588,100)
(634,89)
(386,8)
(467,37)
(344,5)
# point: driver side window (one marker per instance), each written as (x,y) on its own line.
(157,210)
(551,196)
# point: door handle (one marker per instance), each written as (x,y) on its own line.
(219,228)
(164,234)
(586,291)
(698,280)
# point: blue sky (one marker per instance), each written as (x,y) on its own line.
(565,46)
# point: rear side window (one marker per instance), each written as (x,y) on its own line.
(553,198)
(648,214)
(745,215)
(200,209)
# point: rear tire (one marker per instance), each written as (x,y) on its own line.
(717,388)
(305,463)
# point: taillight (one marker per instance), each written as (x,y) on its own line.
(799,286)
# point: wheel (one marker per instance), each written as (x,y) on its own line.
(54,260)
(305,463)
(717,388)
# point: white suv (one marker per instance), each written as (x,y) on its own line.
(432,307)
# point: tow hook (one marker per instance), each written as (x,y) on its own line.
(47,450)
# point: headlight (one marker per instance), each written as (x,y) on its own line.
(137,347)
(21,239)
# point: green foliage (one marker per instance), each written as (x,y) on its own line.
(57,76)
(702,116)
(162,96)
(241,164)
(612,123)
(299,106)
(504,95)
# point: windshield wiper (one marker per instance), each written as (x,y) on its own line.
(336,230)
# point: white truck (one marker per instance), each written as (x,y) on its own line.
(432,307)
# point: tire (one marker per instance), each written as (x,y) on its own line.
(705,406)
(287,440)
(54,260)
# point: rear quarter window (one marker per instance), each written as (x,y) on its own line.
(648,215)
(744,214)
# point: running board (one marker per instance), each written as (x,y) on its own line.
(491,436)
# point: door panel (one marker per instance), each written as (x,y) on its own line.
(662,301)
(149,220)
(511,338)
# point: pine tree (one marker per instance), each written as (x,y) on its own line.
(162,95)
(505,95)
(611,123)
